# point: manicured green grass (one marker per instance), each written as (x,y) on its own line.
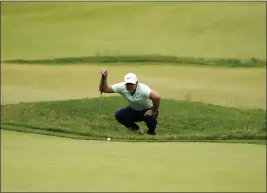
(178,120)
(42,163)
(41,30)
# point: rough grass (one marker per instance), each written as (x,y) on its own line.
(41,30)
(177,121)
(253,62)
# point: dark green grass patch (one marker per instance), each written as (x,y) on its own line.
(253,62)
(178,120)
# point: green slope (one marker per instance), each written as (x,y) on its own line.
(178,120)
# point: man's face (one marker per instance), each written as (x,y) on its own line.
(130,87)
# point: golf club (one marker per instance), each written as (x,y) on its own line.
(141,131)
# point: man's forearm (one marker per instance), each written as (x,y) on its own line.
(156,104)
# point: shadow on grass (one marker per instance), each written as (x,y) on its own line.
(51,131)
(48,129)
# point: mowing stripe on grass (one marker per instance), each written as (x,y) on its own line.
(234,87)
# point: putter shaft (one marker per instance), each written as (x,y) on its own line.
(100,99)
(99,105)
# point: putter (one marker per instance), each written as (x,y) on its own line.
(100,101)
(99,105)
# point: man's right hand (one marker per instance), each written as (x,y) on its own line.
(103,86)
(104,72)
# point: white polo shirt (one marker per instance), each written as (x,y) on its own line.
(140,100)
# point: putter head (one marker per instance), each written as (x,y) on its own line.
(140,131)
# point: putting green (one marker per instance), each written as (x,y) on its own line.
(43,163)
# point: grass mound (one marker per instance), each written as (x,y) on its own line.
(178,120)
(253,62)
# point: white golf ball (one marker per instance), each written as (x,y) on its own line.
(108,139)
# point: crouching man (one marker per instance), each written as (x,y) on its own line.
(143,102)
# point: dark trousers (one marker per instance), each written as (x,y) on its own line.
(128,116)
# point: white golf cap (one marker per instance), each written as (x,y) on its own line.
(130,78)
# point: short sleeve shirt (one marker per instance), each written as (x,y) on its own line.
(140,100)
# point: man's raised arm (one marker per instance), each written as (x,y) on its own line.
(103,85)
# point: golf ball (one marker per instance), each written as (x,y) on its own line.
(108,139)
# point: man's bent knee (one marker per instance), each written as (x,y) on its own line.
(150,118)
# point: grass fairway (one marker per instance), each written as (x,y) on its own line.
(42,163)
(232,87)
(31,30)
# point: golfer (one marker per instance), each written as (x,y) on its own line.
(143,102)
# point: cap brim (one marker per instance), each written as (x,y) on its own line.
(130,81)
